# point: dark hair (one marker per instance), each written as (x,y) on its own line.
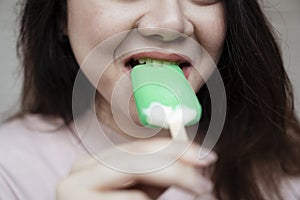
(260,139)
(49,65)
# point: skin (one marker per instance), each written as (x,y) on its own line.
(90,180)
(91,23)
(171,22)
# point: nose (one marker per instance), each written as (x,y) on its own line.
(165,20)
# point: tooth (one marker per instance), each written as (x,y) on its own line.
(157,63)
(161,63)
(166,63)
(142,61)
(149,61)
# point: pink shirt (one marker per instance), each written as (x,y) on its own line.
(35,155)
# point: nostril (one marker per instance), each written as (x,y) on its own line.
(156,37)
(166,38)
(161,34)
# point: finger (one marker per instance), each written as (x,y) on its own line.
(80,194)
(192,156)
(182,151)
(124,195)
(100,177)
(103,178)
(179,175)
(187,151)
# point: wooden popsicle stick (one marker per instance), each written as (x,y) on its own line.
(178,131)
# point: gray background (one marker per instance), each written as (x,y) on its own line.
(284,15)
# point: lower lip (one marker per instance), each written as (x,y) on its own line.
(186,71)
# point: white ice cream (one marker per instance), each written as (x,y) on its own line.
(161,115)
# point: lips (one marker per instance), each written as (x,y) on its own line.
(140,58)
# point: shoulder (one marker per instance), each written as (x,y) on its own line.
(16,138)
(35,153)
(34,137)
(28,133)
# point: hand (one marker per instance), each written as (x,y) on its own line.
(91,180)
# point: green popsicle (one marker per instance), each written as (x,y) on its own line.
(163,96)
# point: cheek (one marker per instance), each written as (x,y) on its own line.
(211,30)
(80,29)
(90,24)
(211,37)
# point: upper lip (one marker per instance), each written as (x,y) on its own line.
(173,57)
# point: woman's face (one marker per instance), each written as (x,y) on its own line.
(167,26)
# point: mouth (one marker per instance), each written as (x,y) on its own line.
(158,59)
